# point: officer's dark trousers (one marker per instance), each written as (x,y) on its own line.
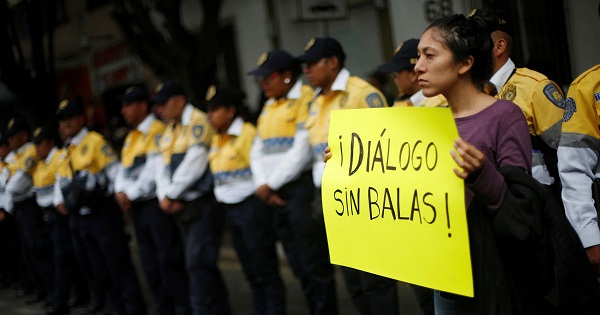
(302,233)
(161,253)
(371,294)
(96,278)
(36,241)
(11,250)
(63,258)
(106,243)
(253,236)
(201,224)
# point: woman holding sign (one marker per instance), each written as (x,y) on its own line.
(456,61)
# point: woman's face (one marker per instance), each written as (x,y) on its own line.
(274,86)
(405,81)
(436,70)
(220,117)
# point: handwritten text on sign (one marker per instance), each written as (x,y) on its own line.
(391,201)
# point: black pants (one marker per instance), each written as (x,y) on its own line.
(161,253)
(106,247)
(301,229)
(36,244)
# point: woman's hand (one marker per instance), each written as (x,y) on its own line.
(467,157)
(327,155)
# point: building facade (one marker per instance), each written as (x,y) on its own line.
(557,37)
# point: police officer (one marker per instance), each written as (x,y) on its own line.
(9,241)
(336,89)
(402,69)
(250,223)
(578,160)
(157,237)
(44,177)
(540,99)
(184,189)
(86,188)
(30,224)
(281,161)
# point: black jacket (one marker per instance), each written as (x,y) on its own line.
(526,258)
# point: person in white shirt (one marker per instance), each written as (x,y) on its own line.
(159,244)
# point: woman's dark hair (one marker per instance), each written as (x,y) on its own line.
(229,97)
(468,36)
(295,69)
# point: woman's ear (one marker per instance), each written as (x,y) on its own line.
(466,65)
(231,112)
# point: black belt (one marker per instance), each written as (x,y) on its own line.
(228,206)
(25,202)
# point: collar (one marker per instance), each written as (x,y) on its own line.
(503,74)
(144,126)
(10,157)
(186,116)
(296,90)
(418,99)
(293,94)
(340,82)
(50,155)
(76,140)
(22,148)
(236,127)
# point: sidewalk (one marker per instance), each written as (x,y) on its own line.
(239,292)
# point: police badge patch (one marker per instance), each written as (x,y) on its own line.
(197,131)
(374,100)
(107,151)
(570,109)
(554,95)
(343,100)
(509,93)
(29,163)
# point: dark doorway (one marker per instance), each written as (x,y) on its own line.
(540,40)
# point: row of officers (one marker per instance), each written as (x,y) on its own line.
(182,180)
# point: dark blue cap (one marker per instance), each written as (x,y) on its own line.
(220,96)
(43,133)
(68,108)
(166,90)
(494,22)
(135,93)
(16,125)
(322,47)
(274,61)
(405,57)
(3,139)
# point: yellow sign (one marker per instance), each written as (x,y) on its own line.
(391,201)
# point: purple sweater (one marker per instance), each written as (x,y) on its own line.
(501,133)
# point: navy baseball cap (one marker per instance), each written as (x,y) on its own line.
(16,125)
(322,47)
(274,61)
(68,108)
(43,133)
(405,57)
(166,90)
(219,96)
(3,139)
(134,93)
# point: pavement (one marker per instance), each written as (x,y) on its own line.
(239,291)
